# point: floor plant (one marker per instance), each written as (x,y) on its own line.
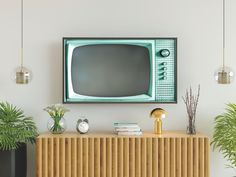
(16,130)
(15,127)
(224,137)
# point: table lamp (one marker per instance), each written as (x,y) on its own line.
(158,114)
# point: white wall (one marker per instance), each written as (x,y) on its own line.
(196,23)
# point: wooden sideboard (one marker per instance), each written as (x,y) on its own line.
(172,154)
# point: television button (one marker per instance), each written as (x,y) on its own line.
(165,53)
(164,63)
(163,78)
(164,68)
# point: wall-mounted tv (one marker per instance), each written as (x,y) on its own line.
(119,70)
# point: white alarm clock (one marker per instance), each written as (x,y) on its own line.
(82,126)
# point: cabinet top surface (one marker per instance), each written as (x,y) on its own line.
(165,134)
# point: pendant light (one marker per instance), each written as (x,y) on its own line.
(22,74)
(224,75)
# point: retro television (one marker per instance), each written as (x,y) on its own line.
(119,70)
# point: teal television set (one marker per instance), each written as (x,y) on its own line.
(119,70)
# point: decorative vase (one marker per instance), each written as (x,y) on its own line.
(57,125)
(191,130)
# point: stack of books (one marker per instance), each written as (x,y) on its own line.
(127,129)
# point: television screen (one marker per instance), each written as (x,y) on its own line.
(111,70)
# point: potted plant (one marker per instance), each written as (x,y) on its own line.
(16,130)
(56,123)
(224,136)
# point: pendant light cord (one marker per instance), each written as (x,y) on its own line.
(223,35)
(22,32)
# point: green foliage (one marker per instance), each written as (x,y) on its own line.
(56,111)
(224,137)
(15,127)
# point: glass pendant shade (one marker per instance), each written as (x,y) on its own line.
(22,75)
(224,75)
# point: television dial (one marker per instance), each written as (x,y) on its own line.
(165,53)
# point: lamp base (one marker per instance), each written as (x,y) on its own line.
(158,126)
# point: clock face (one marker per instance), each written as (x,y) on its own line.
(83,127)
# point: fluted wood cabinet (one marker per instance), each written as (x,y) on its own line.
(173,154)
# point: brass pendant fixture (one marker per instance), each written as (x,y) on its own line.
(22,74)
(224,75)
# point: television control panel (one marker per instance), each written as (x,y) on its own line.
(166,70)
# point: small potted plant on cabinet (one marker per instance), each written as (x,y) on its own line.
(56,123)
(224,137)
(16,130)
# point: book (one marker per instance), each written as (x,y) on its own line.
(120,123)
(138,133)
(128,129)
(126,125)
